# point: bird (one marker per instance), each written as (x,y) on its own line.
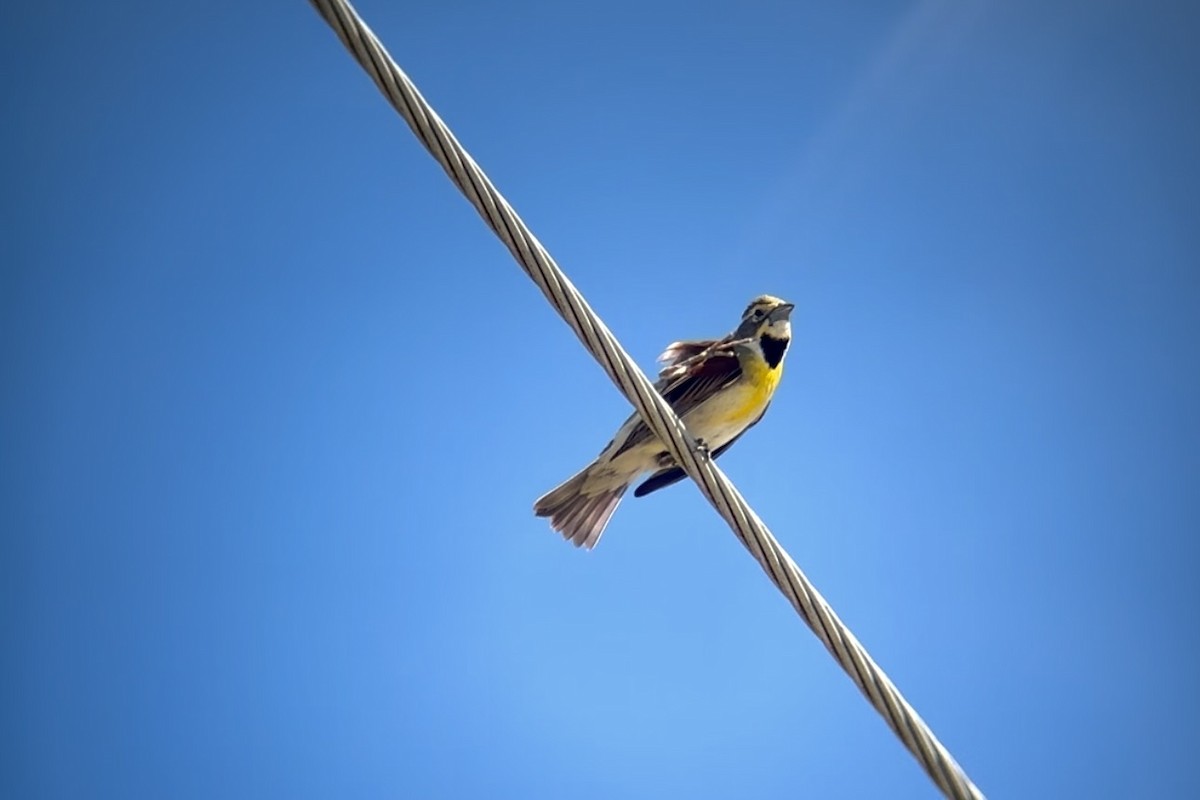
(719,387)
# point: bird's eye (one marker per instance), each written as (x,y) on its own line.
(758,313)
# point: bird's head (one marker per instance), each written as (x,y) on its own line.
(766,316)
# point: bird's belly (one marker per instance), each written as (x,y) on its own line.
(717,421)
(723,417)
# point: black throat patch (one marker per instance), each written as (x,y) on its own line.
(773,350)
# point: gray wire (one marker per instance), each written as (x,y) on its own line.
(599,341)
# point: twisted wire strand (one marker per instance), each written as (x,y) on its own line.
(632,382)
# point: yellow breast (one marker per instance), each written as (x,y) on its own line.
(755,389)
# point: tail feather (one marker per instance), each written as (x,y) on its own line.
(581,507)
(599,512)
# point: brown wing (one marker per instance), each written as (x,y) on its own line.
(678,352)
(689,386)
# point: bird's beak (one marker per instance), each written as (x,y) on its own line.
(782,311)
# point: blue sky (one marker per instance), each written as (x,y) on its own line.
(276,405)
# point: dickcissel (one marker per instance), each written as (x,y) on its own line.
(719,387)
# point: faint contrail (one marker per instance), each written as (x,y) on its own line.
(819,184)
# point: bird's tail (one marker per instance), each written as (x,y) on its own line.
(581,506)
